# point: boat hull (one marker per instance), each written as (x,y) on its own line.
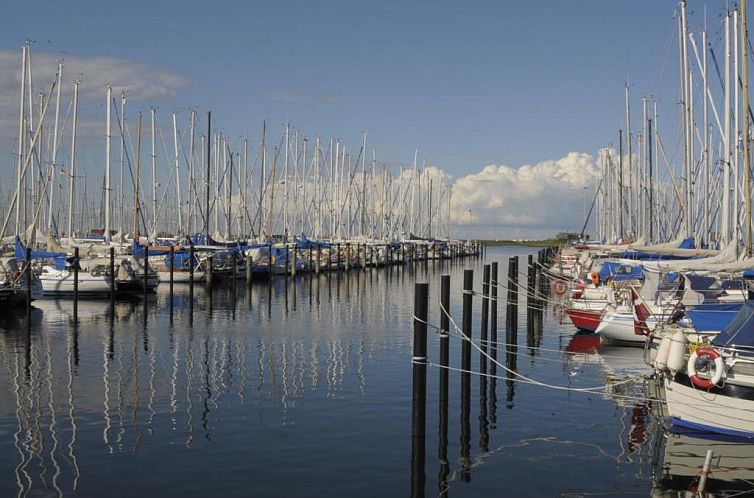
(584,319)
(619,327)
(717,412)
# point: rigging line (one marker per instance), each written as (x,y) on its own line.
(513,372)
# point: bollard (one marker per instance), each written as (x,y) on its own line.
(249,270)
(419,398)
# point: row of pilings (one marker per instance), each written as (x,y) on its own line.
(536,291)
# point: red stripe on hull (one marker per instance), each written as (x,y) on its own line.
(584,319)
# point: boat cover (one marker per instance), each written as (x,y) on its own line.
(740,332)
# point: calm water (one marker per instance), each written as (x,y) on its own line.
(304,389)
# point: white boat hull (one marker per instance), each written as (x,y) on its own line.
(61,283)
(619,327)
(181,276)
(706,411)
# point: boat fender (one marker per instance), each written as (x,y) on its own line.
(709,354)
(676,352)
(661,360)
(595,277)
(559,287)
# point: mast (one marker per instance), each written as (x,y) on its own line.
(72,186)
(58,82)
(192,191)
(631,191)
(262,176)
(154,178)
(209,172)
(725,231)
(108,138)
(122,158)
(21,135)
(177,176)
(620,184)
(747,164)
(137,188)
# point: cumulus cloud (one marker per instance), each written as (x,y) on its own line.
(529,201)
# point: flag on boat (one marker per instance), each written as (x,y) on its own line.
(641,313)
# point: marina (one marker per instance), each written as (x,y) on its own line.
(209,289)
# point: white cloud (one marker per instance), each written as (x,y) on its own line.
(530,201)
(143,83)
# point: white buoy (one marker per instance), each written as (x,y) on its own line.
(661,360)
(677,352)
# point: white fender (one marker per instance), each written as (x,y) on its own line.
(677,352)
(661,360)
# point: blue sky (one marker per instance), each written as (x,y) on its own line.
(469,84)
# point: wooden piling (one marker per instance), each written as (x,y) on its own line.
(249,270)
(112,274)
(419,398)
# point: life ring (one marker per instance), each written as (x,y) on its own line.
(595,278)
(717,375)
(559,287)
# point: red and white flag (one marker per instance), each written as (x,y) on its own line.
(641,313)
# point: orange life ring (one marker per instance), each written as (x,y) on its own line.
(559,287)
(717,375)
(595,278)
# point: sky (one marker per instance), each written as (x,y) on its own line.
(469,84)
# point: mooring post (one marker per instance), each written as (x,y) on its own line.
(338,257)
(419,399)
(146,272)
(28,281)
(444,336)
(348,256)
(172,264)
(318,260)
(493,317)
(444,362)
(530,282)
(75,276)
(295,260)
(309,266)
(468,289)
(249,270)
(191,282)
(485,318)
(112,274)
(210,271)
(269,261)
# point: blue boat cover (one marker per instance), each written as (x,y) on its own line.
(713,317)
(687,244)
(618,271)
(740,331)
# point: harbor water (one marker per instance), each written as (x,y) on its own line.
(303,387)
